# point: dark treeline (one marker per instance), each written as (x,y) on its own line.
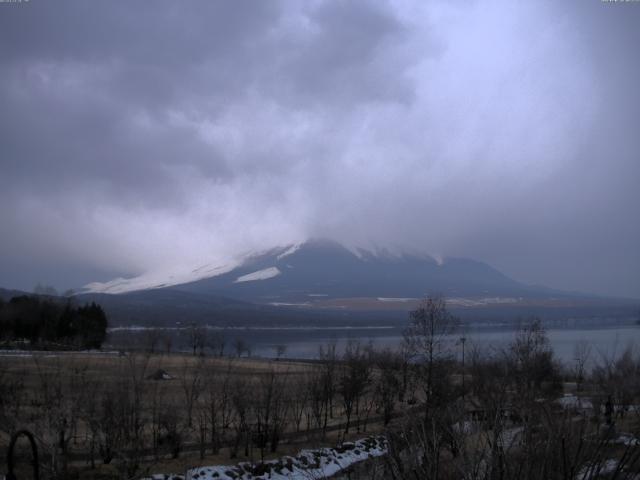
(45,322)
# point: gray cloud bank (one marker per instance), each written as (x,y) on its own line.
(138,136)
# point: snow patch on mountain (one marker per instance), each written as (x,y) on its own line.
(477,302)
(159,279)
(289,251)
(259,275)
(397,299)
(393,252)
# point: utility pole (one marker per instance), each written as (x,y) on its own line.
(463,340)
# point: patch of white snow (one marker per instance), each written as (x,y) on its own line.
(596,469)
(292,249)
(158,279)
(259,275)
(393,299)
(320,463)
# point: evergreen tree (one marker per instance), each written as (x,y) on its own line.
(39,320)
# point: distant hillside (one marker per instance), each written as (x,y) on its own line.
(170,307)
(6,294)
(174,308)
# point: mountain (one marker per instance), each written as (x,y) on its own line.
(321,282)
(322,270)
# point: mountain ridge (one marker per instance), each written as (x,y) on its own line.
(326,268)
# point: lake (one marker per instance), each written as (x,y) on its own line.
(305,342)
(604,341)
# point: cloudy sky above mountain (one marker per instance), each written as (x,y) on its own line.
(139,137)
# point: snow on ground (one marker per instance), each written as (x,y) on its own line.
(259,275)
(308,464)
(460,301)
(60,353)
(626,439)
(510,437)
(465,427)
(477,302)
(593,471)
(286,304)
(572,402)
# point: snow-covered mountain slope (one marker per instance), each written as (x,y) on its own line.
(184,275)
(158,279)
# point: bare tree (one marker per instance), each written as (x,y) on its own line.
(353,378)
(269,411)
(240,400)
(197,338)
(152,339)
(617,378)
(298,399)
(241,347)
(279,350)
(53,419)
(387,382)
(125,417)
(318,401)
(533,368)
(90,414)
(167,341)
(12,398)
(581,354)
(157,407)
(427,339)
(173,429)
(326,381)
(216,342)
(218,405)
(191,383)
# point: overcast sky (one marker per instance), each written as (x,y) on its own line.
(146,136)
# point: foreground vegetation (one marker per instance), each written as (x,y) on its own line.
(498,414)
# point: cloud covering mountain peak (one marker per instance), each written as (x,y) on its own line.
(187,134)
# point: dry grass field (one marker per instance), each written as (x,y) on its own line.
(108,415)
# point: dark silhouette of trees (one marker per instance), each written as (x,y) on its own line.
(91,325)
(47,322)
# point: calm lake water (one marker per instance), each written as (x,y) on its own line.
(303,342)
(604,341)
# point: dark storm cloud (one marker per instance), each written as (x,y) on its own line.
(139,139)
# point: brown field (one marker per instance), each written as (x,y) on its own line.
(90,399)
